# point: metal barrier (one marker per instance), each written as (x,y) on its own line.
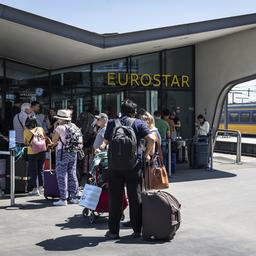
(11,153)
(239,142)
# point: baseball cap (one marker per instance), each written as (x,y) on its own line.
(102,115)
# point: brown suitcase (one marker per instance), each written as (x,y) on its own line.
(160,215)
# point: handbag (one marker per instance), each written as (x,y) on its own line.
(156,174)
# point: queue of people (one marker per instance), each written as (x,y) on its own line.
(93,134)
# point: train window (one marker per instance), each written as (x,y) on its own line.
(254,117)
(245,117)
(233,117)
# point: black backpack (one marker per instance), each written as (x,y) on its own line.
(122,152)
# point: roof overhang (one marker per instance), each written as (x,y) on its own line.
(49,44)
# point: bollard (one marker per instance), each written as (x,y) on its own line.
(211,148)
(170,156)
(12,176)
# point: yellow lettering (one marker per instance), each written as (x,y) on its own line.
(166,79)
(111,76)
(156,77)
(175,81)
(119,79)
(134,78)
(185,81)
(149,80)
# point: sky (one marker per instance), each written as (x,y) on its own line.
(243,93)
(108,16)
(119,16)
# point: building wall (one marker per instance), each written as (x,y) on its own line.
(220,63)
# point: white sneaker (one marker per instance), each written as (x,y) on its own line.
(41,190)
(74,201)
(34,192)
(60,203)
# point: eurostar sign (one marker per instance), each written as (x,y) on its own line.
(148,80)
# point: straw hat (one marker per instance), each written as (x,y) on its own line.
(63,114)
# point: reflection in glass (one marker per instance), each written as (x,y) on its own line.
(182,104)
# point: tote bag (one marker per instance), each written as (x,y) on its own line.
(90,197)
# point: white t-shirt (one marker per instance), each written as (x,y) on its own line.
(61,130)
(203,129)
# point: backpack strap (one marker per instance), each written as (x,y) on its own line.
(130,121)
(117,122)
(31,138)
(20,121)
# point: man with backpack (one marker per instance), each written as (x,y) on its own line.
(125,163)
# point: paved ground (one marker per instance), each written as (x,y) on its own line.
(218,212)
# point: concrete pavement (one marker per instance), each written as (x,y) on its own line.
(218,213)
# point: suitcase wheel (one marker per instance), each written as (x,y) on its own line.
(122,217)
(146,238)
(92,218)
(85,212)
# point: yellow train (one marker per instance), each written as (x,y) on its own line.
(241,117)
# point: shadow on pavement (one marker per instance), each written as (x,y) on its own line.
(128,240)
(79,221)
(70,243)
(37,204)
(76,242)
(32,204)
(7,196)
(184,175)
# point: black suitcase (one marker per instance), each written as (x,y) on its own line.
(21,176)
(160,215)
(199,155)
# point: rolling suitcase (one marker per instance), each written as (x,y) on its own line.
(51,189)
(199,155)
(163,207)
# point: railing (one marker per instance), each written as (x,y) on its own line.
(238,145)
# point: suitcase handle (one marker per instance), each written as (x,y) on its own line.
(50,161)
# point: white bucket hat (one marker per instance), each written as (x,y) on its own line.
(63,114)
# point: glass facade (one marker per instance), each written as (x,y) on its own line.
(27,84)
(75,87)
(158,80)
(106,98)
(2,89)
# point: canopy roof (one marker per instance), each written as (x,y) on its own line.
(49,44)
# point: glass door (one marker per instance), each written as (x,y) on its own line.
(109,103)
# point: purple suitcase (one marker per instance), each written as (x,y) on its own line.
(51,189)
